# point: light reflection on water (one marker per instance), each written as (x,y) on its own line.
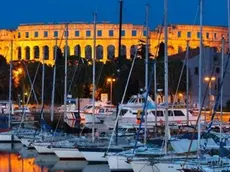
(16,158)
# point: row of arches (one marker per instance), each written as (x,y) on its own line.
(38,52)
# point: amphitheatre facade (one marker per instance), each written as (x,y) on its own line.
(38,41)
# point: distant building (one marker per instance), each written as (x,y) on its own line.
(35,41)
(211,70)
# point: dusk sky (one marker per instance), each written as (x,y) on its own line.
(17,12)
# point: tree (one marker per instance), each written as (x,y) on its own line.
(174,71)
(4,78)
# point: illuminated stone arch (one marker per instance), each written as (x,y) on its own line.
(77,50)
(27,53)
(19,53)
(36,52)
(111,52)
(123,51)
(88,52)
(99,52)
(46,52)
(133,50)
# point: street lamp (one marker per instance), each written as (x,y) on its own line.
(210,80)
(111,80)
(180,95)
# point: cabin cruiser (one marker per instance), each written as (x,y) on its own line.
(102,110)
(131,113)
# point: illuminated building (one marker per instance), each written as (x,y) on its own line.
(35,41)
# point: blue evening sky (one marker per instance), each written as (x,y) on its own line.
(15,12)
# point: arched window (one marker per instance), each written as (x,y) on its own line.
(46,52)
(99,52)
(77,50)
(133,50)
(27,53)
(59,53)
(123,51)
(88,52)
(111,52)
(36,52)
(19,53)
(180,49)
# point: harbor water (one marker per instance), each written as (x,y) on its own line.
(16,158)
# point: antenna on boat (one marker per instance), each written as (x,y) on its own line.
(146,66)
(166,71)
(10,84)
(94,58)
(200,74)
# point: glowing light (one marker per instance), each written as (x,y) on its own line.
(180,95)
(17,75)
(111,79)
(208,78)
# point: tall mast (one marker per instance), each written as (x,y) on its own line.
(43,81)
(200,74)
(94,58)
(119,65)
(187,83)
(66,54)
(10,83)
(155,92)
(54,80)
(221,91)
(146,66)
(166,71)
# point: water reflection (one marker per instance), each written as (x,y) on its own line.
(16,158)
(12,162)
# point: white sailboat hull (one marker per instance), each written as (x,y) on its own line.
(42,149)
(118,163)
(27,142)
(146,166)
(8,138)
(94,156)
(68,153)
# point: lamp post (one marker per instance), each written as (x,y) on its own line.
(210,80)
(111,80)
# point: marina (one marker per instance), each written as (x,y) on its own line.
(157,101)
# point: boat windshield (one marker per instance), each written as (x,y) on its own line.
(132,100)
